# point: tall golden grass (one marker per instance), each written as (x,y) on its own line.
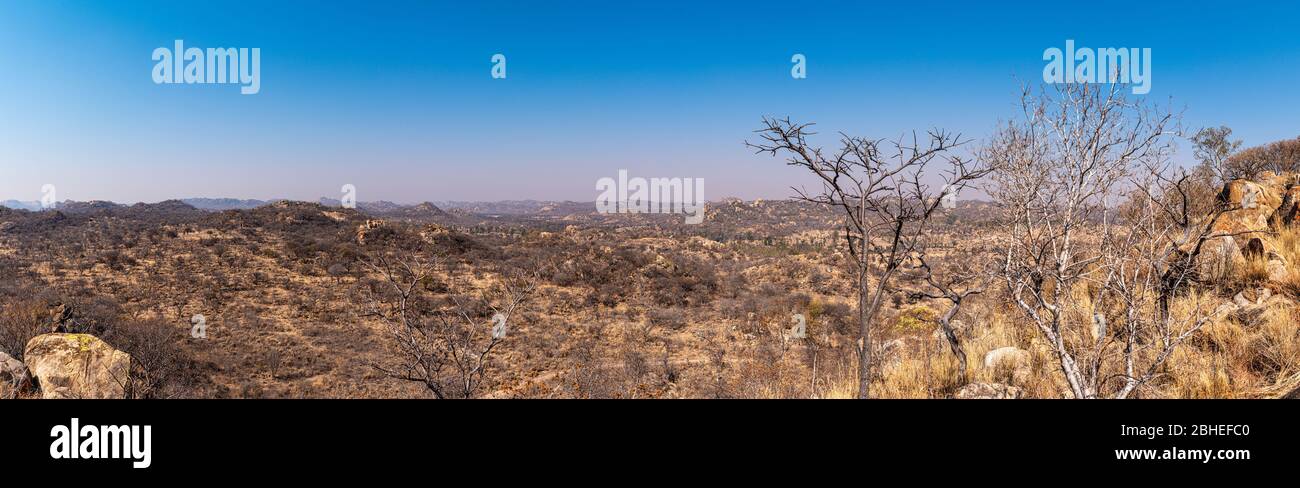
(1247,353)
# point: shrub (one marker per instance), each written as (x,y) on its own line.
(916,319)
(20,321)
(159,366)
(668,318)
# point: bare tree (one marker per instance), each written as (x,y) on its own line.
(953,288)
(1072,262)
(444,348)
(880,187)
(1163,238)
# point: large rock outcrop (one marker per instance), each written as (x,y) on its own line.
(1253,205)
(77,366)
(1258,207)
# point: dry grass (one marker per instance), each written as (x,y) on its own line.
(1252,272)
(1248,353)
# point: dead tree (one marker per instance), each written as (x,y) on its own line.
(445,348)
(954,289)
(1166,236)
(880,189)
(1180,225)
(1093,280)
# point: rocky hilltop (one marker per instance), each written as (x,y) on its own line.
(1259,210)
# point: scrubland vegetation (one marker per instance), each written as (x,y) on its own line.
(1097,268)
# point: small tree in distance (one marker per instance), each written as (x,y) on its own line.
(444,347)
(1214,148)
(878,187)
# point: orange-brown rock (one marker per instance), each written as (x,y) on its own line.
(1257,208)
(1218,257)
(1251,195)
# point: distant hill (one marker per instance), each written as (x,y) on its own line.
(380,206)
(71,207)
(522,207)
(731,211)
(167,210)
(422,212)
(218,204)
(17,205)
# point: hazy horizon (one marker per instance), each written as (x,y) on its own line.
(979,199)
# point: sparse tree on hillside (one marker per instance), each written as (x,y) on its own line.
(880,189)
(1278,157)
(1214,147)
(337,271)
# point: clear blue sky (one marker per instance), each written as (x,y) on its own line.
(397,98)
